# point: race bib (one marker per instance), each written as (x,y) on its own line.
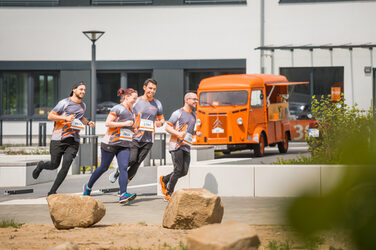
(188,139)
(146,125)
(77,124)
(126,134)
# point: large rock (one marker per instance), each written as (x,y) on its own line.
(69,210)
(225,236)
(192,208)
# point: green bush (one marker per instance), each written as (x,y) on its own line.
(337,122)
(347,137)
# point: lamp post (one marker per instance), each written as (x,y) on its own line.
(93,36)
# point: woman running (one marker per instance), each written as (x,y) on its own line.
(116,141)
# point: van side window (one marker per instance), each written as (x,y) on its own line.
(257,98)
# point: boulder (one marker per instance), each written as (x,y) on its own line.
(225,236)
(192,208)
(70,210)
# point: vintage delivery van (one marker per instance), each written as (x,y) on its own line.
(244,112)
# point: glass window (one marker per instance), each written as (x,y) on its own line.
(136,81)
(223,98)
(321,80)
(108,84)
(257,98)
(14,93)
(45,93)
(107,87)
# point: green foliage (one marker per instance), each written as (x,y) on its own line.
(337,122)
(348,138)
(301,159)
(9,223)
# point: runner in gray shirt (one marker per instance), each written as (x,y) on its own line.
(149,114)
(181,126)
(69,119)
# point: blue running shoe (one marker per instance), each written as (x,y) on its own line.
(126,197)
(87,190)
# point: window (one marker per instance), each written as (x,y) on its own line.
(321,80)
(109,82)
(29,2)
(257,98)
(45,93)
(193,77)
(14,93)
(223,98)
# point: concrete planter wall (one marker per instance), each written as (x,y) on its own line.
(259,180)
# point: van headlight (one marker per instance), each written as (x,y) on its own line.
(240,121)
(198,122)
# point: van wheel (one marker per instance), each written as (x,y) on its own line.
(283,146)
(259,149)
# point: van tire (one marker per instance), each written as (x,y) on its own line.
(283,146)
(259,148)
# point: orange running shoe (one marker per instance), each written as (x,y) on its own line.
(167,197)
(163,185)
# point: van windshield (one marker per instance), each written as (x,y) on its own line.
(223,98)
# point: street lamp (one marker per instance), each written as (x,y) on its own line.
(93,36)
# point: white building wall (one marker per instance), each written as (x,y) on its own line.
(325,23)
(132,33)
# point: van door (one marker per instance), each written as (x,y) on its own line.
(256,111)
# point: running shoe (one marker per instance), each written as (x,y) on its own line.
(167,197)
(126,197)
(37,170)
(87,190)
(163,185)
(114,175)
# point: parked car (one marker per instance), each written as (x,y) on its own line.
(105,107)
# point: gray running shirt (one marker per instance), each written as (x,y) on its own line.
(120,136)
(64,129)
(146,112)
(182,120)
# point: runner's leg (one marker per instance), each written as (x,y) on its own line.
(106,159)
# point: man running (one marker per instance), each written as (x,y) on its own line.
(69,119)
(149,113)
(181,126)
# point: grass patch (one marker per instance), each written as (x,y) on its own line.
(9,223)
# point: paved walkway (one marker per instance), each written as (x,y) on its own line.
(147,207)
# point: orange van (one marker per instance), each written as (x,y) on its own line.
(244,112)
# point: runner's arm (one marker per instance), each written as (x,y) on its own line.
(53,116)
(110,122)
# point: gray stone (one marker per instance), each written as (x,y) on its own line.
(192,208)
(69,210)
(226,236)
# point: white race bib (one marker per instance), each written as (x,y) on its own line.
(146,125)
(126,134)
(77,124)
(188,139)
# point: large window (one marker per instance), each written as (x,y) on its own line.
(223,98)
(109,82)
(14,93)
(321,80)
(45,92)
(27,93)
(194,77)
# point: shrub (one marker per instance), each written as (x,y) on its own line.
(337,122)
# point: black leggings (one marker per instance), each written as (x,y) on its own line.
(67,149)
(181,160)
(139,150)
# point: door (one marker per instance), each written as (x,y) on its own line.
(256,110)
